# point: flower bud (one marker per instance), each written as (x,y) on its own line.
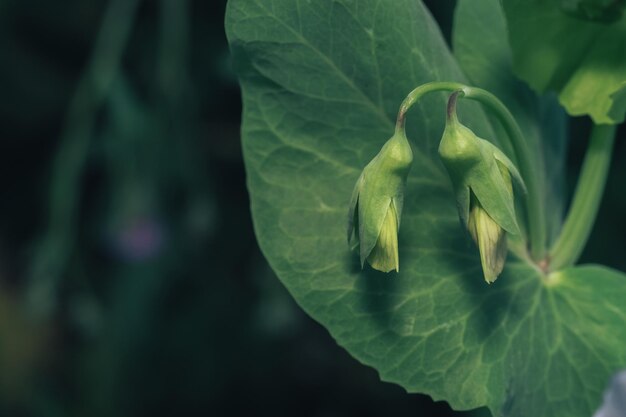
(481,177)
(490,239)
(376,204)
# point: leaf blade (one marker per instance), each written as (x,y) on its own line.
(436,327)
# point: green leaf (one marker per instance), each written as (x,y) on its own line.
(321,84)
(606,11)
(480,45)
(583,61)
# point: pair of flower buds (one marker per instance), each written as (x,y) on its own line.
(481,178)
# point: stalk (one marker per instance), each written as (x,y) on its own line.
(58,243)
(587,197)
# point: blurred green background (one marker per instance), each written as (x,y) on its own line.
(131,283)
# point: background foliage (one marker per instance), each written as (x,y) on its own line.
(136,286)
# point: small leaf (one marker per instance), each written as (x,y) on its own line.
(583,61)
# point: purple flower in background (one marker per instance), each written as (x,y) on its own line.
(138,239)
(614,404)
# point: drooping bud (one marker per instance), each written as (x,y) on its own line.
(481,177)
(376,204)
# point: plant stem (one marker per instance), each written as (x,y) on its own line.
(417,93)
(586,202)
(58,242)
(173,49)
(523,157)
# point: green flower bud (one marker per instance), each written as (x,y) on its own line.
(376,204)
(481,178)
(488,236)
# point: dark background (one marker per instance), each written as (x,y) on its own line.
(131,283)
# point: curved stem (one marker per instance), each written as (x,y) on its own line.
(523,157)
(423,89)
(586,201)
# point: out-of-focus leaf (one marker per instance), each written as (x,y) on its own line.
(584,62)
(606,11)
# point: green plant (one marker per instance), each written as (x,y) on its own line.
(321,84)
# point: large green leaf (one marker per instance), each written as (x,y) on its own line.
(321,83)
(583,61)
(481,48)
